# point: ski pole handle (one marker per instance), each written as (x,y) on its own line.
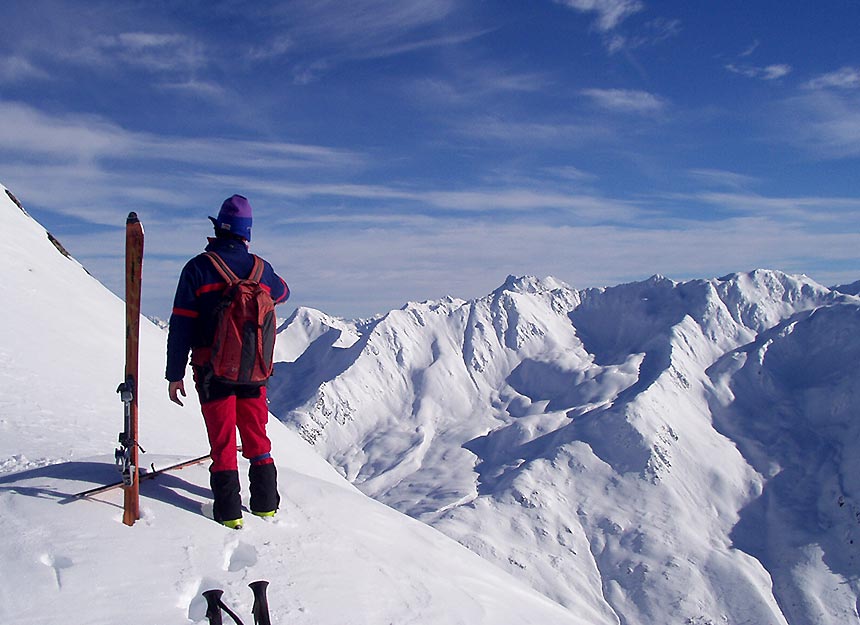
(213,606)
(261,603)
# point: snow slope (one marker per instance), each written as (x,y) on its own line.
(333,556)
(665,452)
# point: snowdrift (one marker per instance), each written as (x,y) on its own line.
(332,556)
(664,452)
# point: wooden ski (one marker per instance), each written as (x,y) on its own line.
(127,454)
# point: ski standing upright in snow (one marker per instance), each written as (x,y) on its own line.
(126,453)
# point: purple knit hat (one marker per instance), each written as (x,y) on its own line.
(235,217)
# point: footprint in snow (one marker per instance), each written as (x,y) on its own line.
(58,563)
(197,603)
(240,556)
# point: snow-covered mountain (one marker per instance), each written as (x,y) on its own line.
(650,453)
(661,452)
(332,556)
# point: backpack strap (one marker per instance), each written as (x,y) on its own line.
(257,269)
(227,273)
(222,268)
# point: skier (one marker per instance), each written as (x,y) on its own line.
(225,406)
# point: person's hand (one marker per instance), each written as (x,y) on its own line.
(176,389)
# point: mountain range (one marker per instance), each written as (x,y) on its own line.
(666,452)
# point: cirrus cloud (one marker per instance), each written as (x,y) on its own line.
(610,13)
(626,100)
(844,78)
(768,72)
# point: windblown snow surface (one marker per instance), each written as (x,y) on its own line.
(333,556)
(660,452)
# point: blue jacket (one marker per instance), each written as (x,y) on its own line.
(192,322)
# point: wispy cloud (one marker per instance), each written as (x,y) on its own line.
(70,138)
(472,84)
(517,131)
(512,200)
(322,34)
(626,100)
(206,89)
(799,210)
(586,207)
(150,51)
(844,78)
(81,150)
(723,178)
(28,132)
(748,51)
(276,47)
(650,33)
(824,122)
(413,256)
(364,23)
(743,67)
(97,166)
(569,172)
(307,72)
(17,68)
(610,13)
(470,259)
(768,72)
(96,50)
(420,44)
(822,117)
(172,61)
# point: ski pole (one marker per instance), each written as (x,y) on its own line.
(261,603)
(214,607)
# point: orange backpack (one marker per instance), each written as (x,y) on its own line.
(244,345)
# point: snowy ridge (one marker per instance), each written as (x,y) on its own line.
(613,445)
(805,526)
(332,555)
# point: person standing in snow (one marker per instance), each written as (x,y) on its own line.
(225,407)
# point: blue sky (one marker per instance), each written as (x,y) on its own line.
(412,149)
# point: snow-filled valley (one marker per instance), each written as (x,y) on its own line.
(649,453)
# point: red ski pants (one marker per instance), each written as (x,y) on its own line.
(223,416)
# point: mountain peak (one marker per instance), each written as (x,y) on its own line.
(849,289)
(532,284)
